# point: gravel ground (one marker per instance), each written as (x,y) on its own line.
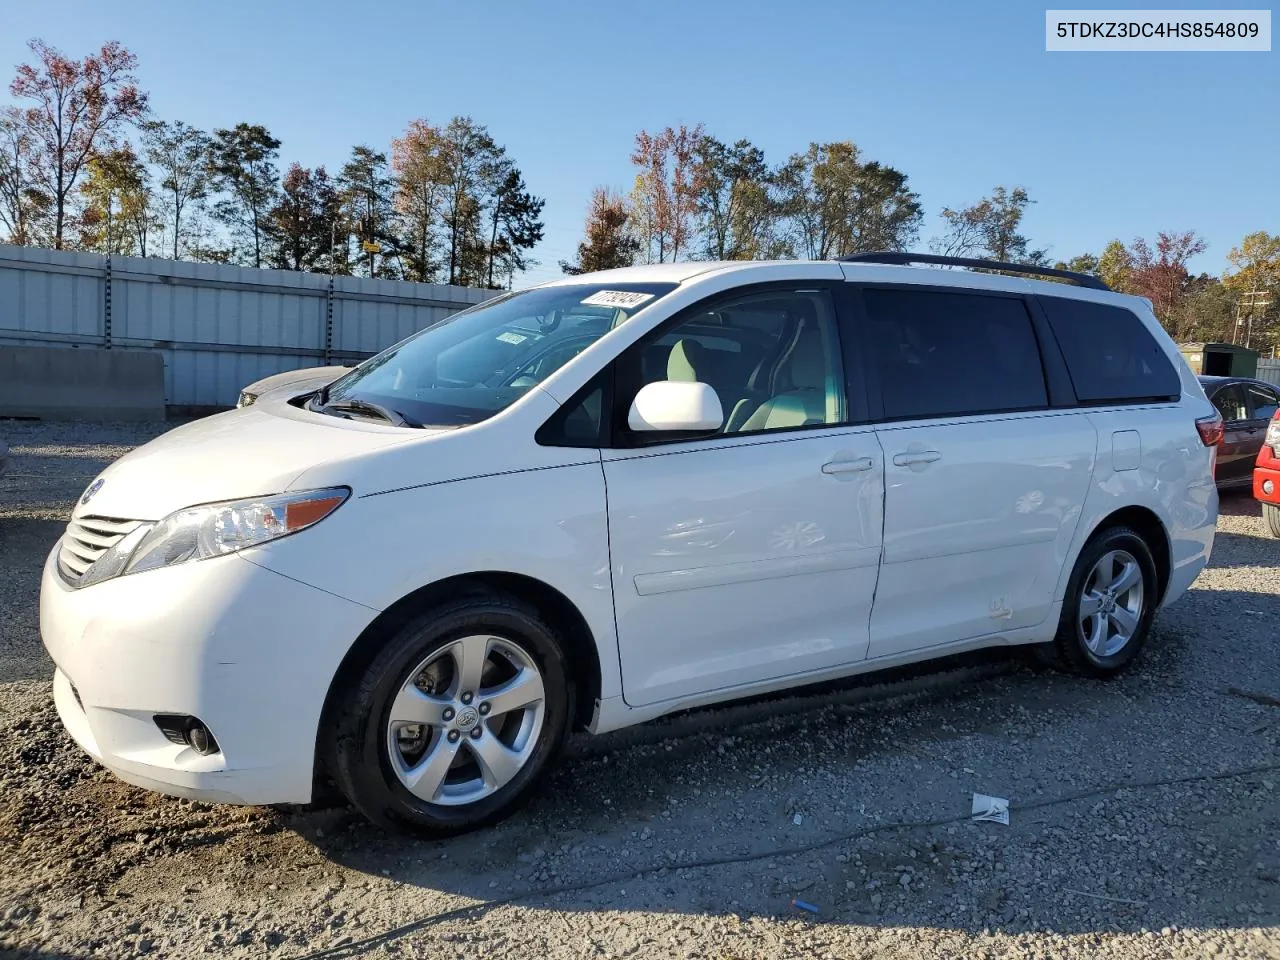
(1145,811)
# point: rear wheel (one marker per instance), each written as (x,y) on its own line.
(1109,605)
(1271,518)
(455,721)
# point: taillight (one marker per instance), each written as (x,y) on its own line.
(1211,430)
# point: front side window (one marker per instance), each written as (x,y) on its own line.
(1263,401)
(1231,404)
(773,359)
(478,362)
(942,354)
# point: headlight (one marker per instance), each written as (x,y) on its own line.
(214,529)
(246,399)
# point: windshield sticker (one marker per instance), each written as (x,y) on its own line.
(617,298)
(510,337)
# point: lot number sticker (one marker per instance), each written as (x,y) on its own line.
(617,298)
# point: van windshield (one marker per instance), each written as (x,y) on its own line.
(478,362)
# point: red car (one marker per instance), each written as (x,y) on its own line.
(1266,476)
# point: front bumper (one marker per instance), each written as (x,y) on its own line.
(249,652)
(1263,473)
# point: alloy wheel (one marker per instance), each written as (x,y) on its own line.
(466,720)
(1110,608)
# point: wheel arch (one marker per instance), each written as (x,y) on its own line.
(1146,523)
(561,613)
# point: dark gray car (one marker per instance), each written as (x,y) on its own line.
(1246,406)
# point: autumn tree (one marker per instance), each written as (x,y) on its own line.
(367,200)
(1207,311)
(1160,273)
(1254,281)
(419,167)
(664,199)
(304,219)
(836,203)
(735,209)
(180,154)
(1081,263)
(990,228)
(242,163)
(1255,263)
(471,165)
(607,242)
(1114,266)
(71,108)
(23,205)
(117,217)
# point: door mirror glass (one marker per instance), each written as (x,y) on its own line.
(675,405)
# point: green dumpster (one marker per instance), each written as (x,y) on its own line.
(1221,359)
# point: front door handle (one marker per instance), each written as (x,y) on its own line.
(836,467)
(914,459)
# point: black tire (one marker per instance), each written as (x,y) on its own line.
(1068,650)
(358,754)
(1271,518)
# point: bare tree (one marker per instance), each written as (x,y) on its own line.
(181,153)
(990,228)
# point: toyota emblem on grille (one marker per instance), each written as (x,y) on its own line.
(93,488)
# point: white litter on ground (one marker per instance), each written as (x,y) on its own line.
(994,809)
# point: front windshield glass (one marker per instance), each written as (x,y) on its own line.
(478,362)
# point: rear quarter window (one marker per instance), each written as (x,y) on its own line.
(1111,356)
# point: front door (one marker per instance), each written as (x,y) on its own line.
(1264,400)
(1240,439)
(750,554)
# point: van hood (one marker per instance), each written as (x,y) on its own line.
(254,451)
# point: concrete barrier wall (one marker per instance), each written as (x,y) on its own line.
(216,327)
(81,384)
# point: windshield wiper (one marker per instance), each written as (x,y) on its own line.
(353,405)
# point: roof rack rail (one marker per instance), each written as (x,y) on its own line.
(894,257)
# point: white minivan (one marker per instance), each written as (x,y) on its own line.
(613,496)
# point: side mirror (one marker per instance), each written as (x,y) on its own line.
(675,405)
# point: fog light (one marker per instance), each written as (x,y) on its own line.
(187,732)
(201,739)
(1268,487)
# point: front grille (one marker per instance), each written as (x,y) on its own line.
(88,538)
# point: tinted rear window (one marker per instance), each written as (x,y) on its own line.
(950,354)
(1110,354)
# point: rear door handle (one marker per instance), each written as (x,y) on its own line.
(912,459)
(837,467)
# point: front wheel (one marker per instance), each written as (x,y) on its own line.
(1271,518)
(455,720)
(1109,605)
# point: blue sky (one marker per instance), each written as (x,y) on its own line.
(960,96)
